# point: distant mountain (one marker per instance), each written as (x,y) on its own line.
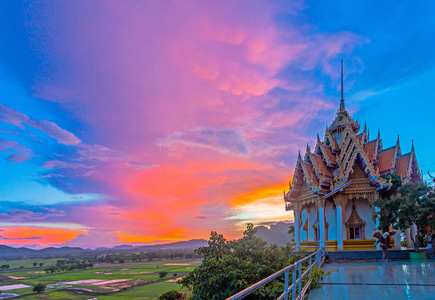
(191,244)
(6,251)
(10,251)
(122,247)
(277,234)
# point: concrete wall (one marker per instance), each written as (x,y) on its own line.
(313,217)
(331,219)
(365,212)
(303,234)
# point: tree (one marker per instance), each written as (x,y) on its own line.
(414,203)
(4,267)
(35,264)
(172,295)
(231,266)
(163,274)
(39,288)
(41,264)
(291,230)
(396,180)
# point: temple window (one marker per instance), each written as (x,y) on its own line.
(355,226)
(354,233)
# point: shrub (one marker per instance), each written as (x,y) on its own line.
(39,288)
(172,295)
(231,266)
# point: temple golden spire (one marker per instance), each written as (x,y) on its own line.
(342,107)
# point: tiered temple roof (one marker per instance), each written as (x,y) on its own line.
(327,168)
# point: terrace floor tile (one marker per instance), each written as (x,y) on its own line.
(405,279)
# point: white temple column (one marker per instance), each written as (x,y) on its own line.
(376,197)
(309,220)
(397,238)
(408,238)
(297,215)
(322,222)
(339,227)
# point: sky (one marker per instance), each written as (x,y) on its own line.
(130,122)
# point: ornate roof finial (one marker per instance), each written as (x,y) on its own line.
(342,108)
(308,148)
(398,141)
(412,148)
(379,134)
(318,139)
(365,126)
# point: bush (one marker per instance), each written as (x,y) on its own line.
(231,266)
(172,295)
(39,288)
(163,274)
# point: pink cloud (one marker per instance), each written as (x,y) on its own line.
(14,117)
(190,108)
(93,239)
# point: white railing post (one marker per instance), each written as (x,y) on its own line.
(296,289)
(310,267)
(294,283)
(318,258)
(286,286)
(322,256)
(300,278)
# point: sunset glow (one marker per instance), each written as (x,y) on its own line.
(129,122)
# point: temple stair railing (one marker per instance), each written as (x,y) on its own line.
(295,290)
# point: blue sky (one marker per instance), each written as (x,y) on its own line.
(137,121)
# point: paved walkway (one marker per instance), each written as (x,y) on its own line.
(405,279)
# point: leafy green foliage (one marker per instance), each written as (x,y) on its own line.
(39,288)
(396,180)
(317,274)
(231,266)
(172,295)
(163,274)
(414,203)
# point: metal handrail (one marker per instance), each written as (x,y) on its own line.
(319,258)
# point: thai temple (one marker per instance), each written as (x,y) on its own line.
(335,185)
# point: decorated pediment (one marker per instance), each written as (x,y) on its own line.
(346,155)
(354,219)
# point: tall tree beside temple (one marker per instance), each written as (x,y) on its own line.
(414,203)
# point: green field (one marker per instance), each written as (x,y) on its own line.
(143,276)
(28,263)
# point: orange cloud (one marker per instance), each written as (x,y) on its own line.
(259,193)
(35,235)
